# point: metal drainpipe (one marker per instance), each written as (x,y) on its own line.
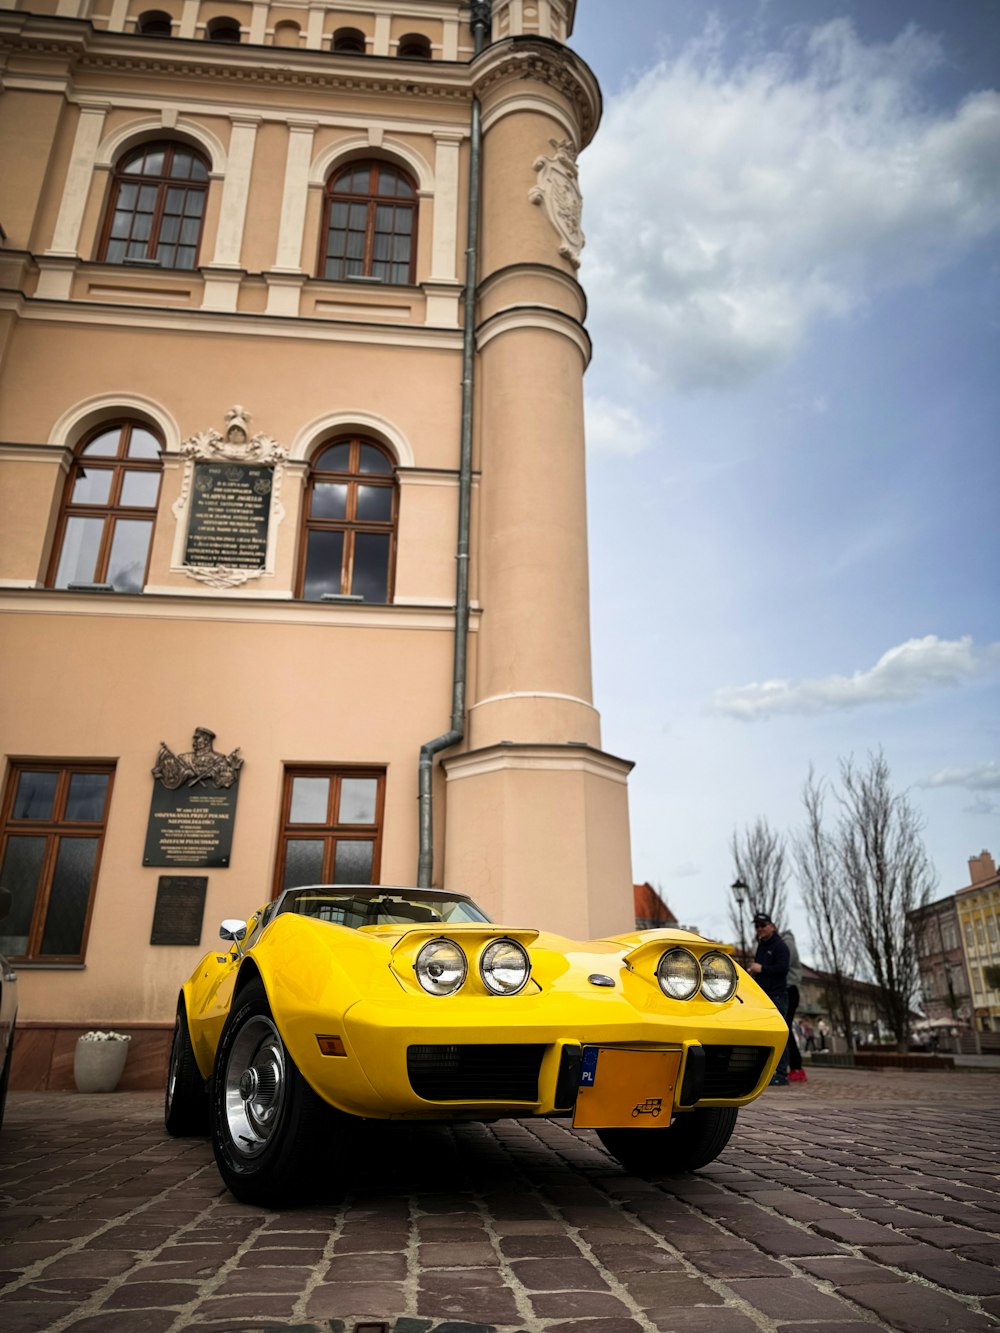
(480,22)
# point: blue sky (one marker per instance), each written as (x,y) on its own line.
(792,213)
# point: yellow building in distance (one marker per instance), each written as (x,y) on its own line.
(979,922)
(293,585)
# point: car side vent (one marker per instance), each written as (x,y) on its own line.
(475,1073)
(733,1071)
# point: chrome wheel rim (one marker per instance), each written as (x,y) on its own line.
(254,1086)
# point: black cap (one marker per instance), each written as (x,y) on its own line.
(762,919)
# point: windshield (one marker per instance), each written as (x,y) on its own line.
(380,907)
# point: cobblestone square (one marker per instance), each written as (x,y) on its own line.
(860,1200)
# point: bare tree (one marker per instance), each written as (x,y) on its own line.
(886,875)
(823,894)
(759,857)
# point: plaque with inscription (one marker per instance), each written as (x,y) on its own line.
(230,511)
(179,910)
(190,826)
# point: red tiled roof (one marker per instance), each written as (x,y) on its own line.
(650,907)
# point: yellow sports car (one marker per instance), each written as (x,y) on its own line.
(338,1003)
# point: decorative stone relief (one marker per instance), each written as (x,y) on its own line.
(233,508)
(558,191)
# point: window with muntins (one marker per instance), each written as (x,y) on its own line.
(350,528)
(109,509)
(370,223)
(157,207)
(331,827)
(52,833)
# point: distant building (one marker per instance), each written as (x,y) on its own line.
(958,952)
(979,920)
(651,912)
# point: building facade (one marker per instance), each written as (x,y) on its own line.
(978,908)
(293,585)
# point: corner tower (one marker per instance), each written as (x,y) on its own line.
(537,814)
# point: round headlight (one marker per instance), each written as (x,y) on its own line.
(718,976)
(678,974)
(504,967)
(441,967)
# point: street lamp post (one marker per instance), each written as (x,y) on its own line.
(741,893)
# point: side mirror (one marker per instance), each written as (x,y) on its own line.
(235,930)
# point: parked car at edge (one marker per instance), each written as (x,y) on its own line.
(8,1010)
(334,1005)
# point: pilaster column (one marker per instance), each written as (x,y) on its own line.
(189,19)
(288,257)
(89,128)
(235,191)
(444,243)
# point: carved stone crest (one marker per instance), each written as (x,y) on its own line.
(558,191)
(201,766)
(237,443)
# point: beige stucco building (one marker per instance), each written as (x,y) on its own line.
(270,468)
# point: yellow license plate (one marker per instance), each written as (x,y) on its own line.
(626,1087)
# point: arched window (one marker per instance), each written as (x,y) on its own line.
(370,222)
(349,42)
(414,46)
(350,528)
(286,34)
(154,23)
(157,207)
(109,508)
(223,30)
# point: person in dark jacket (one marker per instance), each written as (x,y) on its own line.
(770,970)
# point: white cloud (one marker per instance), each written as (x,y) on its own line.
(614,429)
(981,806)
(742,205)
(902,673)
(975,777)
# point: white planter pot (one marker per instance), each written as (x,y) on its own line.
(98,1065)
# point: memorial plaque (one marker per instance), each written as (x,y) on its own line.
(230,512)
(179,910)
(190,827)
(193,809)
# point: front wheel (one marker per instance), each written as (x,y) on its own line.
(267,1123)
(693,1140)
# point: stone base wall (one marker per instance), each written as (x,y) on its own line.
(43,1056)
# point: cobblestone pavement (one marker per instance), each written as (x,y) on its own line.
(859,1200)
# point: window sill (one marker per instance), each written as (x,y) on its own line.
(38,965)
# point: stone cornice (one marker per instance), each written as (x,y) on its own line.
(538,60)
(85,48)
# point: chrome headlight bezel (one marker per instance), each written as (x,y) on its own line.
(430,952)
(718,962)
(668,971)
(488,976)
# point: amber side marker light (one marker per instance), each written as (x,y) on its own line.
(331,1045)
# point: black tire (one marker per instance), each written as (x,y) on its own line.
(270,1131)
(693,1140)
(185,1102)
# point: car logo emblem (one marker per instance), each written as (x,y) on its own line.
(651,1106)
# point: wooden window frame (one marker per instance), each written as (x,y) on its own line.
(349,524)
(112,511)
(163,183)
(54,830)
(330,832)
(372,200)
